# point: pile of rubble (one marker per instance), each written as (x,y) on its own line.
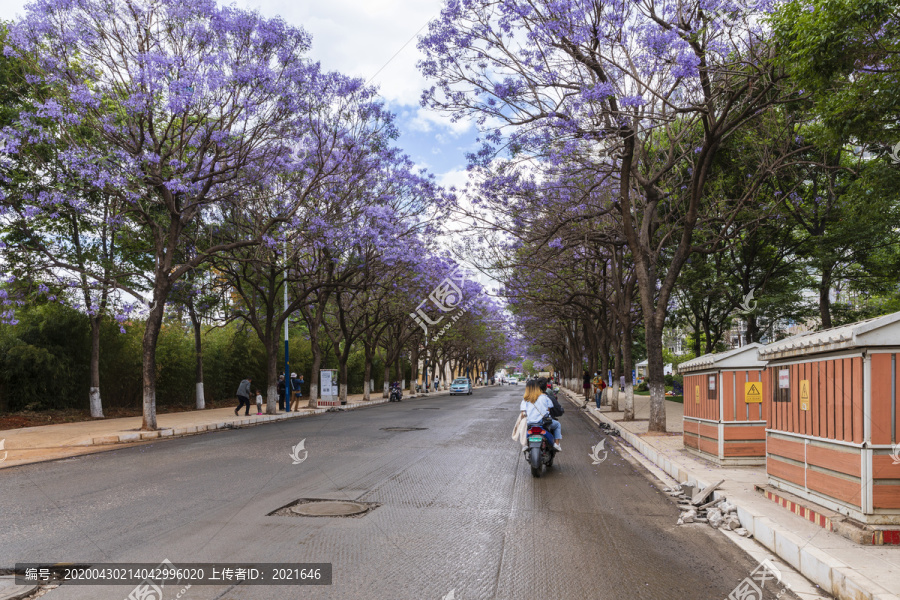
(697,507)
(608,429)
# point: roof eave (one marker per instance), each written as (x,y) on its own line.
(807,350)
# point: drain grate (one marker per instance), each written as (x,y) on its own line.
(318,507)
(428,408)
(404,428)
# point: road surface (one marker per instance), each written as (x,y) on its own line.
(458,513)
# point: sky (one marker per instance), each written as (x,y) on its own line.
(375,40)
(368,39)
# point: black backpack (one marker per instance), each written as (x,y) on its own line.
(556,410)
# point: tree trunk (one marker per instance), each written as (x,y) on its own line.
(590,338)
(710,343)
(604,362)
(655,368)
(614,384)
(198,354)
(148,359)
(342,378)
(272,377)
(654,298)
(413,368)
(95,314)
(825,296)
(387,378)
(366,390)
(314,377)
(96,404)
(629,381)
(697,342)
(752,329)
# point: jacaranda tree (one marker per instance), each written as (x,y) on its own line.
(189,102)
(635,97)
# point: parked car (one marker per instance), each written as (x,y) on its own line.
(461,385)
(511,381)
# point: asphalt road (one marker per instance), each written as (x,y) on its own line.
(459,516)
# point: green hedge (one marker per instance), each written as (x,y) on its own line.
(45,362)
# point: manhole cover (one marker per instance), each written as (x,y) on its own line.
(404,428)
(319,507)
(329,508)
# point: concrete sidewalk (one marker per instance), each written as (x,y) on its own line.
(51,442)
(840,567)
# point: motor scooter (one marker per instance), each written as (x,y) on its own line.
(540,452)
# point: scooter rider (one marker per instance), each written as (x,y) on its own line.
(535,405)
(396,392)
(556,410)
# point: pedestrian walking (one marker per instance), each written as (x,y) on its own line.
(297,387)
(587,387)
(281,392)
(599,386)
(243,395)
(258,403)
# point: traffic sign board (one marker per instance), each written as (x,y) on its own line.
(804,394)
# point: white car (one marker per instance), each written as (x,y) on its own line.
(461,385)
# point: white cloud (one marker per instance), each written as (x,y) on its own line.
(361,38)
(427,121)
(454,178)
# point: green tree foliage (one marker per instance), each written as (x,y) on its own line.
(44,361)
(846,54)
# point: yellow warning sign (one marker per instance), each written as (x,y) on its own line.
(697,393)
(804,394)
(752,392)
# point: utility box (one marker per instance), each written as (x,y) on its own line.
(833,422)
(724,411)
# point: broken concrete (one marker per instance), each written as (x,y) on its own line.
(717,513)
(701,496)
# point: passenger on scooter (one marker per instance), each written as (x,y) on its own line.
(534,406)
(547,390)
